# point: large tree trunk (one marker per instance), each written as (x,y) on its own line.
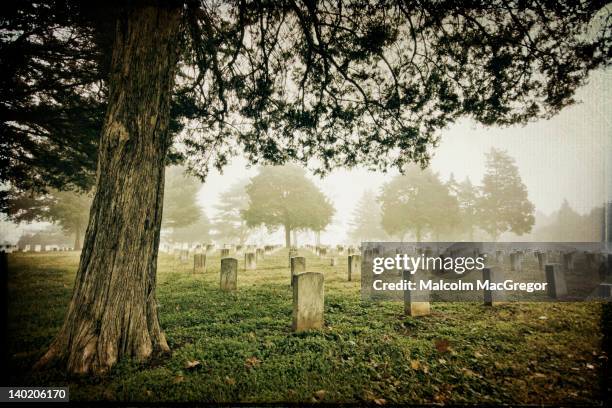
(113,311)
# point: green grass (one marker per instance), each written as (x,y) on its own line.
(527,353)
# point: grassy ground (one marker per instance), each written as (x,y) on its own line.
(538,353)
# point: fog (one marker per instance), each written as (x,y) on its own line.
(566,157)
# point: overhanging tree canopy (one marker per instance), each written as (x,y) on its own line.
(345,83)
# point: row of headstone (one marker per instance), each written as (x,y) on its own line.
(38,248)
(308,292)
(354,266)
(308,288)
(416,303)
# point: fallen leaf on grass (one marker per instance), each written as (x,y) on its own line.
(178,379)
(539,375)
(468,372)
(442,345)
(371,397)
(542,317)
(192,364)
(477,354)
(590,366)
(414,364)
(439,398)
(252,362)
(229,380)
(319,395)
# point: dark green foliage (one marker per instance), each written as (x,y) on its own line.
(55,58)
(346,83)
(372,83)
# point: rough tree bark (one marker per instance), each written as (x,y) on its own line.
(113,311)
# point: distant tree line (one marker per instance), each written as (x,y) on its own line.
(419,205)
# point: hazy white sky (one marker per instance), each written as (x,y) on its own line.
(564,157)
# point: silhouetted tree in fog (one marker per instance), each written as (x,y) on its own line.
(504,204)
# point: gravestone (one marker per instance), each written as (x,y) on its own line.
(604,291)
(416,302)
(259,254)
(199,263)
(499,256)
(354,265)
(493,275)
(225,252)
(292,252)
(3,264)
(298,265)
(568,262)
(590,259)
(250,262)
(333,261)
(515,262)
(308,301)
(555,277)
(229,273)
(542,260)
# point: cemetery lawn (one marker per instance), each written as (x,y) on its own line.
(238,347)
